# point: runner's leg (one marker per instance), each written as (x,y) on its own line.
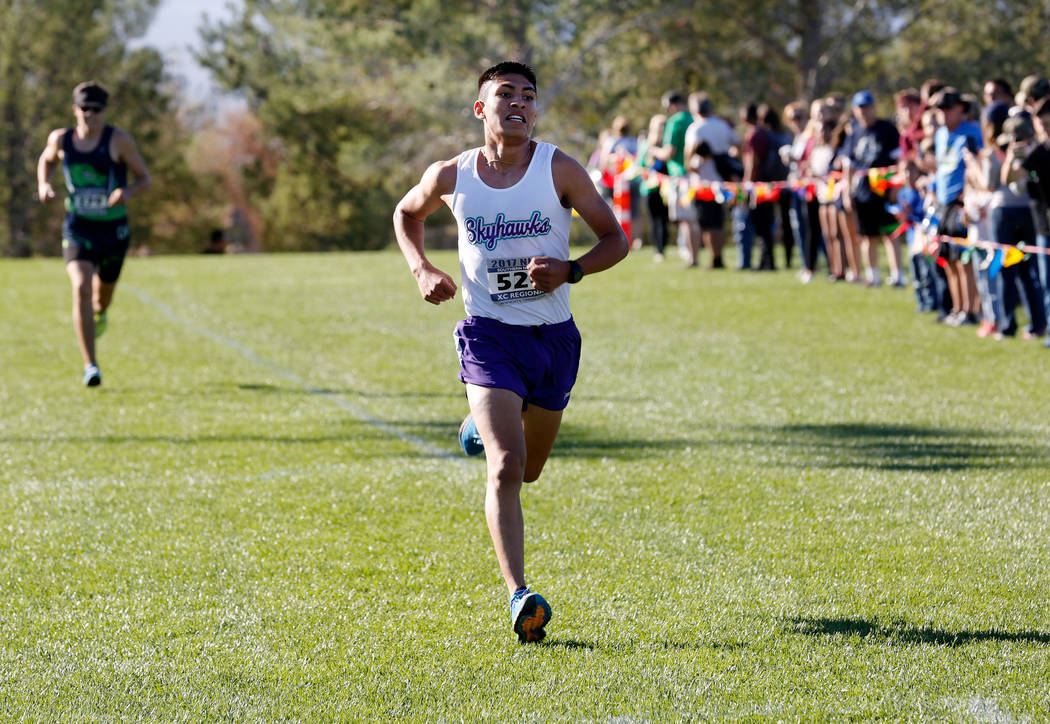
(541,429)
(81,274)
(102,295)
(497,414)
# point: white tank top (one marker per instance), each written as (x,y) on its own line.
(500,231)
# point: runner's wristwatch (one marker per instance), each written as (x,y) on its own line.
(575,271)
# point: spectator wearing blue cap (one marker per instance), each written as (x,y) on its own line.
(875,143)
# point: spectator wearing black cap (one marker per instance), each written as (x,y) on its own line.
(1007,222)
(1014,226)
(955,136)
(96,158)
(1028,161)
(1034,88)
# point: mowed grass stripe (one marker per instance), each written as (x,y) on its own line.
(337,400)
(768,500)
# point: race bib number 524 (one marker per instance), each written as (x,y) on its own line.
(90,201)
(509,280)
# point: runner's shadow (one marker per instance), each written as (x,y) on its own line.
(902,632)
(899,447)
(570,446)
(571,644)
(575,644)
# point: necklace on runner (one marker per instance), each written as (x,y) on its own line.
(507,165)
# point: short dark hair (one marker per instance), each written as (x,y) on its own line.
(507,67)
(672,98)
(1003,85)
(1035,87)
(768,117)
(749,113)
(90,91)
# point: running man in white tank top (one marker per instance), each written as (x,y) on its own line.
(518,347)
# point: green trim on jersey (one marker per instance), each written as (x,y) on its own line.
(91,176)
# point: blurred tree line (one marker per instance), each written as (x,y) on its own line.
(345,102)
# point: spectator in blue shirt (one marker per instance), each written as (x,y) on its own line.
(955,136)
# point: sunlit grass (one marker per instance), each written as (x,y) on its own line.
(768,501)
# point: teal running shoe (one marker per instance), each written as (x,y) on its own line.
(529,612)
(469,438)
(92,376)
(100,323)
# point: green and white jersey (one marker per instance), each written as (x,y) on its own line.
(91,176)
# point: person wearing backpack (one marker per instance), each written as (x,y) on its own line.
(708,142)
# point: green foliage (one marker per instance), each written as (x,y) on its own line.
(974,42)
(768,501)
(44,53)
(364,95)
(355,98)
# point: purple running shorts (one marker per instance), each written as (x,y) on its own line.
(539,363)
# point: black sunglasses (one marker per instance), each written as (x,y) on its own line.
(93,109)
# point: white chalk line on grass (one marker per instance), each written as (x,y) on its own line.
(342,403)
(985,711)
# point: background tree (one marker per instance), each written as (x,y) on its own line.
(43,55)
(362,96)
(347,101)
(236,152)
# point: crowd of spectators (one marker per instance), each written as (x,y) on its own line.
(950,194)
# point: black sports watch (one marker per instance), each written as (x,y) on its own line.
(575,271)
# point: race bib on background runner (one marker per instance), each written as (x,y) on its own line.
(509,280)
(90,202)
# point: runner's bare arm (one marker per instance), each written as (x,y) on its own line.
(423,199)
(45,166)
(128,153)
(576,190)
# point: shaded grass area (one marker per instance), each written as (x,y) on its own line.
(903,632)
(767,501)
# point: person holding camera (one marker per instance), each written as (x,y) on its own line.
(1027,162)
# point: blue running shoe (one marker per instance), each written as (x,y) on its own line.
(100,323)
(529,612)
(469,439)
(92,376)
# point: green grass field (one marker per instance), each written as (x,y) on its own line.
(768,501)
